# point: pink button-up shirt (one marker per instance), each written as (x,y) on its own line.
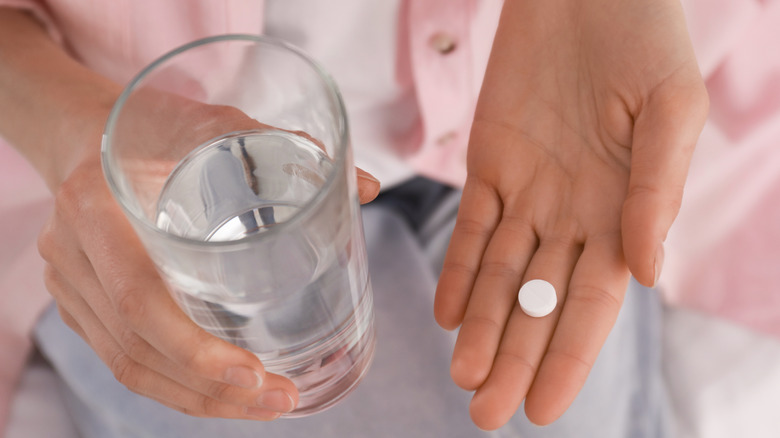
(721,254)
(118,38)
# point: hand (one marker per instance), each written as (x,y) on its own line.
(580,146)
(108,290)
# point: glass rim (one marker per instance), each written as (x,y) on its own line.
(340,149)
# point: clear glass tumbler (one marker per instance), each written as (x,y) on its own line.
(231,158)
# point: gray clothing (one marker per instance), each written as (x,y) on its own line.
(408,391)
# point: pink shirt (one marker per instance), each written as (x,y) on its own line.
(721,254)
(118,38)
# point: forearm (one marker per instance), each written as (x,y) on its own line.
(53,108)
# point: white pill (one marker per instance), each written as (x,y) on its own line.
(537,298)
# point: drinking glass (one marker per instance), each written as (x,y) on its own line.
(231,158)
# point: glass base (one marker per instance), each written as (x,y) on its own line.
(322,398)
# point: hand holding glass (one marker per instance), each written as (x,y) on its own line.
(231,158)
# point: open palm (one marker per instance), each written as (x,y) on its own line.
(577,159)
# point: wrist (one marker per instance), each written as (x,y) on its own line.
(78,122)
(53,108)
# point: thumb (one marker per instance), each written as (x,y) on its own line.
(368,186)
(665,133)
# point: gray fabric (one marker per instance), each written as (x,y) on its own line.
(408,391)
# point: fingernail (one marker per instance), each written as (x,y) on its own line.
(659,263)
(368,177)
(244,377)
(262,414)
(277,400)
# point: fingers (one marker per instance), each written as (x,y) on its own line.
(368,186)
(478,215)
(495,292)
(665,134)
(592,304)
(146,340)
(525,338)
(146,371)
(138,296)
(163,381)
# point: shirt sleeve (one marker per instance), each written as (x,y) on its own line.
(25,203)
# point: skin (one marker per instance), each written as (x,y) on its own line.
(579,151)
(106,287)
(578,155)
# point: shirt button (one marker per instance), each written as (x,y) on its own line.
(446,139)
(442,43)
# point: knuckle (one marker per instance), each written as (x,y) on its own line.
(518,225)
(129,305)
(595,299)
(452,267)
(133,345)
(208,406)
(196,354)
(639,190)
(69,201)
(178,407)
(641,193)
(500,269)
(191,412)
(481,323)
(81,194)
(471,228)
(571,358)
(220,391)
(125,370)
(516,360)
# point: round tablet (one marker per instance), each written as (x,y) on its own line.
(537,298)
